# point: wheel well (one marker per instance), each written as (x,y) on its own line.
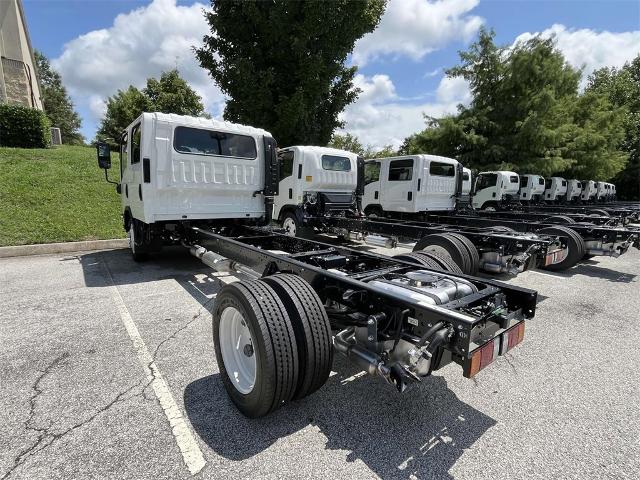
(372,208)
(286,209)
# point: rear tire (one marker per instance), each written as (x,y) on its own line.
(601,212)
(311,328)
(444,262)
(423,260)
(473,252)
(446,245)
(575,243)
(255,309)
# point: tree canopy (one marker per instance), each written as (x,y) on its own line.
(351,143)
(622,88)
(170,94)
(526,115)
(57,104)
(282,63)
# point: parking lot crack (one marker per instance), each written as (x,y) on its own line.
(45,436)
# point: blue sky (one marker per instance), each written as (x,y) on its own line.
(102,45)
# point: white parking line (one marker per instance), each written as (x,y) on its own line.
(191,453)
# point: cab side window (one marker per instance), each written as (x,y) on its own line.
(136,138)
(286,164)
(401,170)
(371,172)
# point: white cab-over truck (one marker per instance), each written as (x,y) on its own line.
(207,185)
(411,184)
(493,189)
(589,191)
(315,181)
(531,188)
(574,190)
(555,189)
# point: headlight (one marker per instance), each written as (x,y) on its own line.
(311,198)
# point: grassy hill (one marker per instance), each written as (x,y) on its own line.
(56,195)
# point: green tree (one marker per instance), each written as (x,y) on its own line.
(57,104)
(622,88)
(526,115)
(170,94)
(351,143)
(282,63)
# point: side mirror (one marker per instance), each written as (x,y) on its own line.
(104,155)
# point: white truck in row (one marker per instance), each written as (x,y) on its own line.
(209,186)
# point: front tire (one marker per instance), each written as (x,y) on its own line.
(290,224)
(138,251)
(268,335)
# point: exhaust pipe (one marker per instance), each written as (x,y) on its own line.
(220,263)
(380,241)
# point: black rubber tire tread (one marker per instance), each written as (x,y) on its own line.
(274,340)
(603,213)
(446,263)
(453,246)
(576,247)
(559,219)
(473,252)
(467,262)
(578,239)
(422,260)
(312,330)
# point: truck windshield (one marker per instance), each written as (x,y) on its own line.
(209,142)
(442,169)
(524,181)
(541,181)
(339,164)
(486,180)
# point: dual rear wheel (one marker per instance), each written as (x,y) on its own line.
(273,342)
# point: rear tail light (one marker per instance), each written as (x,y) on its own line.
(485,355)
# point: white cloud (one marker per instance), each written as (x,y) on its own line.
(139,44)
(414,28)
(379,117)
(589,48)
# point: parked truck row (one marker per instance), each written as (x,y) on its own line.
(215,188)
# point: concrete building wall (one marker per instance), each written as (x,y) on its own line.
(18,81)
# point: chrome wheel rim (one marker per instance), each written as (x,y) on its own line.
(236,346)
(132,238)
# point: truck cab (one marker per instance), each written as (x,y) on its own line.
(555,189)
(411,184)
(493,189)
(176,169)
(531,188)
(315,181)
(574,190)
(601,191)
(589,190)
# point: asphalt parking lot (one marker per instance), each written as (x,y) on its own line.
(107,371)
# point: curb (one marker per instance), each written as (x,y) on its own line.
(65,247)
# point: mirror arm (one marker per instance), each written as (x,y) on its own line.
(106,176)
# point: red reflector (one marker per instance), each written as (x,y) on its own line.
(487,354)
(512,338)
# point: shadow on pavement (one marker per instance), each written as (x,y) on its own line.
(420,433)
(590,268)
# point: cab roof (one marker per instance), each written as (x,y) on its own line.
(207,123)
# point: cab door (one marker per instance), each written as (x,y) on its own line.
(399,195)
(132,170)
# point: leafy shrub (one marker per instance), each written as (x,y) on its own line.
(23,127)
